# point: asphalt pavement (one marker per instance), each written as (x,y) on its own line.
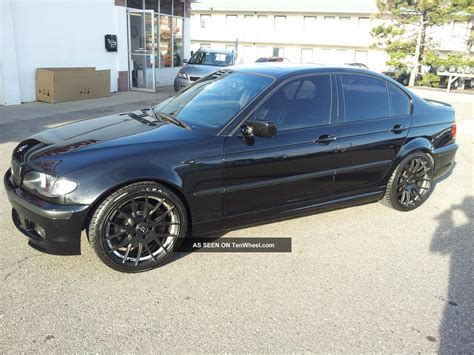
(360,279)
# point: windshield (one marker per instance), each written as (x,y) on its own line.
(212,58)
(213,101)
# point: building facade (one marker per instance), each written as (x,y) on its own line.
(304,31)
(153,38)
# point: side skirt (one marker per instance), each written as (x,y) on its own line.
(286,212)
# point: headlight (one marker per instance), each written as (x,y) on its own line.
(182,75)
(48,185)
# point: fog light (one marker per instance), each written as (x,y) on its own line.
(40,231)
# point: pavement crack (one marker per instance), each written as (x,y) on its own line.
(18,262)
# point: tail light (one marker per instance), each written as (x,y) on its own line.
(453,130)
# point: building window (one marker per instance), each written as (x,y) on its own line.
(166,7)
(165,41)
(329,18)
(364,24)
(279,23)
(205,45)
(306,55)
(205,21)
(178,8)
(344,18)
(135,4)
(231,22)
(309,23)
(178,42)
(278,52)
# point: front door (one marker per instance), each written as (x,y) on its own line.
(297,164)
(373,126)
(141,41)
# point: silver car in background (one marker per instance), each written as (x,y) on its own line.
(203,62)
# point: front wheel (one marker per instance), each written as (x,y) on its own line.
(137,227)
(411,183)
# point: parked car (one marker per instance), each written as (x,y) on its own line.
(402,76)
(202,63)
(245,145)
(358,65)
(271,59)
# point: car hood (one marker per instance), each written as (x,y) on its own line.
(101,139)
(199,70)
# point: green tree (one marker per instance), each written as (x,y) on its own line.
(405,36)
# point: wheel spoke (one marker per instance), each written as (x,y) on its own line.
(147,209)
(158,205)
(147,247)
(160,243)
(126,253)
(123,243)
(160,218)
(122,212)
(115,235)
(134,207)
(415,190)
(139,253)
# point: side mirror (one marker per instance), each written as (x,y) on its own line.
(185,60)
(259,129)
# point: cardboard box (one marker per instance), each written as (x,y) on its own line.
(71,84)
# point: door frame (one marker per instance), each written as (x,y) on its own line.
(146,54)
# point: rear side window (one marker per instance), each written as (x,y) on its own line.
(365,98)
(400,101)
(301,103)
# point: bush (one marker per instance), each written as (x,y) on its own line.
(430,79)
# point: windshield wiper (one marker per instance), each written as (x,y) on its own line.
(170,118)
(152,110)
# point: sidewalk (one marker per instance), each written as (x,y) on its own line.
(117,102)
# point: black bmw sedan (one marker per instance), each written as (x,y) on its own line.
(241,146)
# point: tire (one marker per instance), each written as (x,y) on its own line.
(137,227)
(411,182)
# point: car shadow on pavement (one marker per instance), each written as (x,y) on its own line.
(456,331)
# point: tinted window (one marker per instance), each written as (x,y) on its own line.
(400,101)
(301,103)
(210,103)
(364,97)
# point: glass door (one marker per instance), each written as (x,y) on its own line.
(141,41)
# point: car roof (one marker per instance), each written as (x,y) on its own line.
(284,69)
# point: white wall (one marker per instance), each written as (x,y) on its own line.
(65,33)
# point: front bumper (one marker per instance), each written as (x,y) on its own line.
(444,158)
(61,224)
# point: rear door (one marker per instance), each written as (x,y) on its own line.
(373,123)
(297,164)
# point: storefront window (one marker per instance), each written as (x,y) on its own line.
(136,4)
(178,8)
(166,7)
(178,41)
(168,33)
(165,41)
(151,5)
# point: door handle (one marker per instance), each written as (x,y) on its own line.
(398,128)
(325,139)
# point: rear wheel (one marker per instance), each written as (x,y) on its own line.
(137,227)
(411,183)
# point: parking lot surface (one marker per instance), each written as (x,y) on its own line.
(365,278)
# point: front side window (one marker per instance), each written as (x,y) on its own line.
(299,104)
(364,98)
(213,101)
(400,101)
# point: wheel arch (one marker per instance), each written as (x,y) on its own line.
(420,144)
(166,183)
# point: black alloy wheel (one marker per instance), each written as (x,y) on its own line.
(411,183)
(137,227)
